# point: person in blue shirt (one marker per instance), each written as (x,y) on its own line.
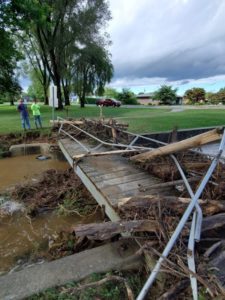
(22,108)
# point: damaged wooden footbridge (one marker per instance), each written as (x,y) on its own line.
(152,215)
(106,169)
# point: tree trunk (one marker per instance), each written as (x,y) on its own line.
(83,90)
(66,93)
(193,142)
(46,99)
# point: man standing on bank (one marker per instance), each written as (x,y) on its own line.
(22,108)
(35,107)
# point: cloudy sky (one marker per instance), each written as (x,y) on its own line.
(176,42)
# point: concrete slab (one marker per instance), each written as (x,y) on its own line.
(25,149)
(27,282)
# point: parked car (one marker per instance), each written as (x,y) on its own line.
(108,102)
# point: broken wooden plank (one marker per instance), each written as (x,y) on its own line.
(170,183)
(178,204)
(104,231)
(193,142)
(59,122)
(113,152)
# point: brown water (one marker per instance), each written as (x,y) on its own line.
(18,169)
(19,235)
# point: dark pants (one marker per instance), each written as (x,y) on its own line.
(25,121)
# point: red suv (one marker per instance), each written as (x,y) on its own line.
(108,102)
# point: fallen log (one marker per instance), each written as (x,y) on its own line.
(104,231)
(193,142)
(177,204)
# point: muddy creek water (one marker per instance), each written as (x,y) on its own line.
(17,169)
(19,235)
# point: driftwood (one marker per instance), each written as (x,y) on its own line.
(178,204)
(193,142)
(104,231)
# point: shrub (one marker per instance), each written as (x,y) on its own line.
(90,100)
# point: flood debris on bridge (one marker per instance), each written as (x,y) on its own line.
(190,184)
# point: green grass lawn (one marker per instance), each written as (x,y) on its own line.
(140,120)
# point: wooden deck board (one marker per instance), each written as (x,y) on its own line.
(114,175)
(131,178)
(111,177)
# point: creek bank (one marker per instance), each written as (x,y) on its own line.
(29,137)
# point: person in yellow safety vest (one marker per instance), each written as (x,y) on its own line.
(35,107)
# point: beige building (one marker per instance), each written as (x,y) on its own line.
(146,99)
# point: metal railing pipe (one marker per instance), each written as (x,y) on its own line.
(181,224)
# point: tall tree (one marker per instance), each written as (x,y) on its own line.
(220,95)
(61,27)
(166,95)
(9,55)
(127,97)
(110,92)
(195,95)
(93,69)
(36,67)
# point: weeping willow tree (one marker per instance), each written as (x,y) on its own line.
(93,69)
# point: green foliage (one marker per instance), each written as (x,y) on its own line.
(166,95)
(35,90)
(216,98)
(93,70)
(90,100)
(111,93)
(195,95)
(221,96)
(111,290)
(70,42)
(74,203)
(127,97)
(8,61)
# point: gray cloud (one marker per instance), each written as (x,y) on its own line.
(174,40)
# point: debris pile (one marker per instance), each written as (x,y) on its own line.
(51,192)
(152,219)
(107,130)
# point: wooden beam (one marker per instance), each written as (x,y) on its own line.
(178,204)
(193,142)
(104,231)
(79,156)
(169,183)
(59,122)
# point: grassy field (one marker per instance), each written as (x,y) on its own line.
(140,120)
